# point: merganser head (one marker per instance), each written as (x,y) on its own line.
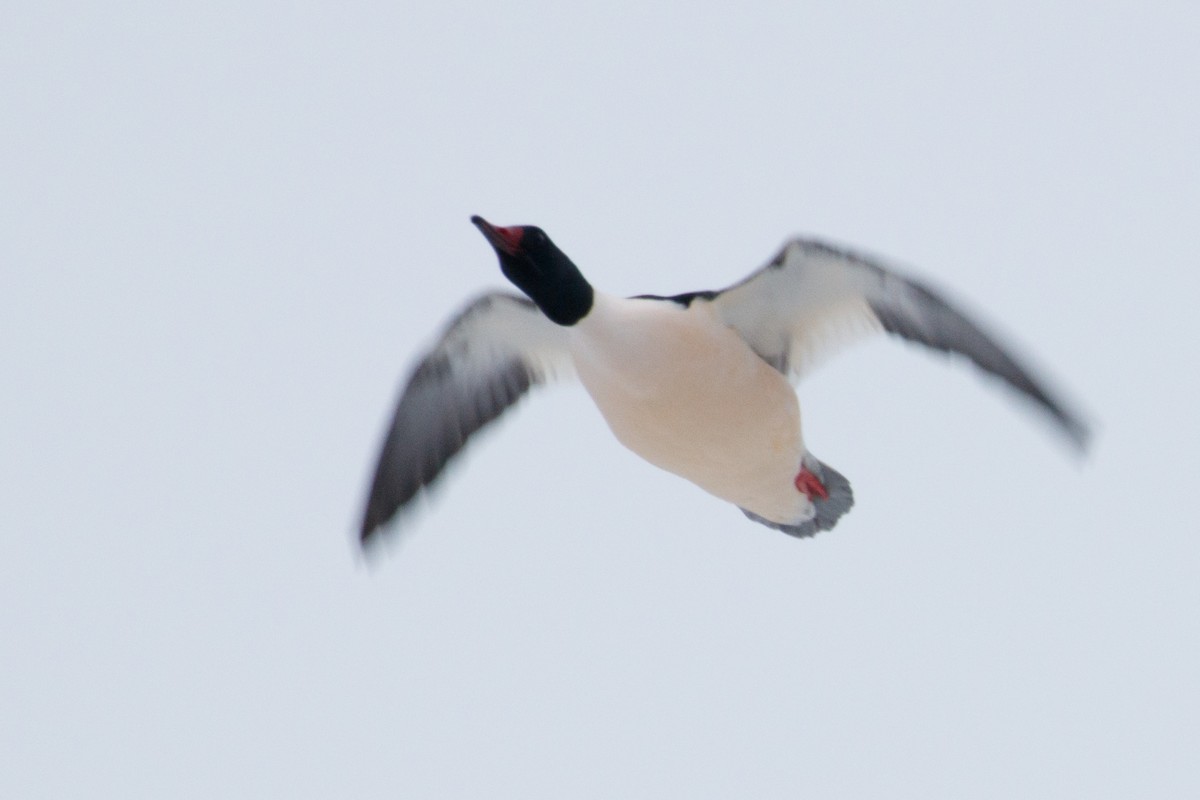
(538,268)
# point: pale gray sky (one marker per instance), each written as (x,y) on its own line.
(228,228)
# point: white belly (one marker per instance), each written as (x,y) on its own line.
(687,394)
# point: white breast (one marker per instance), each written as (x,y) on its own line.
(687,394)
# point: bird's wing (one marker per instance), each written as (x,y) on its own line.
(813,298)
(486,359)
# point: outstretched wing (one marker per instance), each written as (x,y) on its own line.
(813,298)
(486,359)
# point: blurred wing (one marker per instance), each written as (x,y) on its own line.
(812,299)
(487,358)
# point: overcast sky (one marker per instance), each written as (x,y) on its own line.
(227,229)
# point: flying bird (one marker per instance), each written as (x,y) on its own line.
(695,383)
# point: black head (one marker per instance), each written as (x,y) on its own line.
(538,268)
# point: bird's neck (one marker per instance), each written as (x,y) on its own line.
(565,299)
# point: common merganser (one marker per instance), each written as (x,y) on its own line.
(695,383)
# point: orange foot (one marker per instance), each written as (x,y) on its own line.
(810,485)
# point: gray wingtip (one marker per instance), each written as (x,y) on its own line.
(1079,433)
(372,521)
(942,326)
(433,421)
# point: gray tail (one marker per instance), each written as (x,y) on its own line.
(829,510)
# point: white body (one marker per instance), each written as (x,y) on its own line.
(683,390)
